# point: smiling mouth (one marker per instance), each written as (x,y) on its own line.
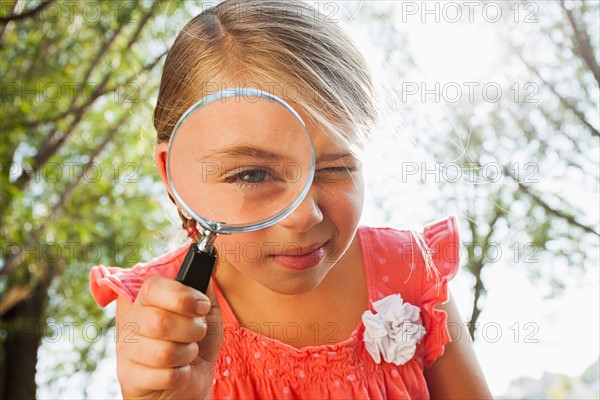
(300,251)
(301,258)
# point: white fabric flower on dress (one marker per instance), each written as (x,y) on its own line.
(393,330)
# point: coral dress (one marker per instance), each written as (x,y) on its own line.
(251,365)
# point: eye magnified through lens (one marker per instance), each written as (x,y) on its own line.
(239,160)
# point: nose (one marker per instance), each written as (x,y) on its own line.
(306,215)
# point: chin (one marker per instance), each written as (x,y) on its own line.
(296,286)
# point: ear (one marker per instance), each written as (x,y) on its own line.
(160,157)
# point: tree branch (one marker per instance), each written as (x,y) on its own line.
(583,46)
(26,14)
(13,261)
(478,266)
(475,268)
(14,296)
(45,153)
(93,65)
(51,144)
(563,100)
(3,26)
(544,146)
(539,201)
(562,48)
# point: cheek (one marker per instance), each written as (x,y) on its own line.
(343,205)
(240,249)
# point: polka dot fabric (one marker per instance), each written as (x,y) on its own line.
(252,365)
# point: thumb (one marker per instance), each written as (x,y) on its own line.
(211,344)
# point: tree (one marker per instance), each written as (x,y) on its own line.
(78,85)
(523,147)
(501,158)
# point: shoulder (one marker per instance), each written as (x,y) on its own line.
(435,245)
(417,264)
(107,282)
(436,233)
(410,261)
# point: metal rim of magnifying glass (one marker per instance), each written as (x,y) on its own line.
(223,227)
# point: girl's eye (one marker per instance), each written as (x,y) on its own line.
(251,177)
(333,174)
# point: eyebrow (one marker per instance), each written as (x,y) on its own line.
(244,151)
(258,153)
(333,157)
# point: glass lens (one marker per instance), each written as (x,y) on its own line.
(242,159)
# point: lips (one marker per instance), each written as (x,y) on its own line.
(297,251)
(301,257)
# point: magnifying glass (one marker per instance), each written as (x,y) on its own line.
(239,160)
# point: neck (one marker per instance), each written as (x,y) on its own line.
(251,301)
(247,296)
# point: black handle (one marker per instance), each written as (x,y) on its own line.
(196,268)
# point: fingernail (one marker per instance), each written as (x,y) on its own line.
(202,307)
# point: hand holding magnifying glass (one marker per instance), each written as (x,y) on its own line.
(239,160)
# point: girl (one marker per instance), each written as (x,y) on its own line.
(369,319)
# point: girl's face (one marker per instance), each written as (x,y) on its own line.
(294,255)
(297,253)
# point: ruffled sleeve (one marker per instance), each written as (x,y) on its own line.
(107,283)
(441,264)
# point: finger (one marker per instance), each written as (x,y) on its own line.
(211,344)
(211,293)
(173,296)
(142,379)
(157,353)
(158,323)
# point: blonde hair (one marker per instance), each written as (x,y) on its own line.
(284,47)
